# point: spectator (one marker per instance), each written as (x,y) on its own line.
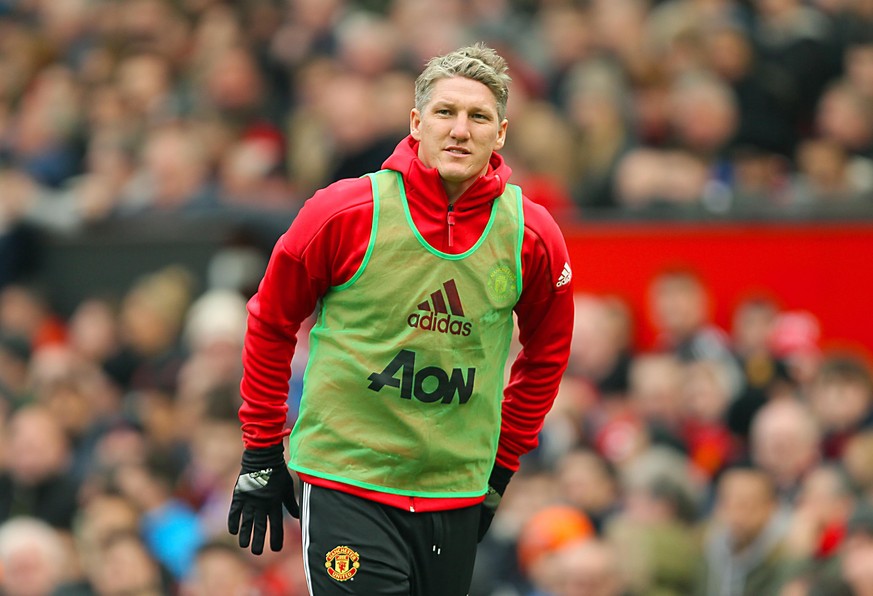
(152,315)
(43,140)
(544,158)
(744,546)
(794,339)
(601,343)
(858,62)
(497,561)
(172,175)
(142,574)
(567,35)
(170,528)
(845,116)
(212,468)
(829,175)
(542,539)
(589,483)
(235,89)
(708,390)
(764,121)
(680,310)
(595,101)
(32,558)
(785,443)
(656,394)
(25,311)
(655,528)
(842,399)
(857,552)
(794,43)
(763,373)
(220,568)
(213,335)
(648,179)
(857,454)
(77,395)
(590,568)
(94,333)
(102,515)
(824,504)
(703,115)
(145,83)
(37,481)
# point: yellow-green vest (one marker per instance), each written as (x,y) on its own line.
(404,384)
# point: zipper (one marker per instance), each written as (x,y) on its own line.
(450,220)
(412,504)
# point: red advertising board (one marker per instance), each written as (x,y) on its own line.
(823,268)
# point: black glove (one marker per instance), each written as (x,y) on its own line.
(497,483)
(263,487)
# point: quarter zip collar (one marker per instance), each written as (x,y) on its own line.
(425,185)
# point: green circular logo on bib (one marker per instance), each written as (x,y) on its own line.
(501,284)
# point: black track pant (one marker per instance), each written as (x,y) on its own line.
(355,546)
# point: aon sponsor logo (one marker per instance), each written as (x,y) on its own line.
(429,384)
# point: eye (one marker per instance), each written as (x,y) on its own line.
(442,111)
(481,116)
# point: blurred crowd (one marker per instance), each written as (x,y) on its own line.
(109,109)
(719,462)
(716,462)
(730,461)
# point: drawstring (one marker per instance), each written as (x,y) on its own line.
(437,522)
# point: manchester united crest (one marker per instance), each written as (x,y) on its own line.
(342,563)
(501,284)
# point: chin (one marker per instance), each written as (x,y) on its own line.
(455,175)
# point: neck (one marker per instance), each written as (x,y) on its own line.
(454,190)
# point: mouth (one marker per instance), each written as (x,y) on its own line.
(456,150)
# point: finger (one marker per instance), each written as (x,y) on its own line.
(291,503)
(245,531)
(277,529)
(233,517)
(260,532)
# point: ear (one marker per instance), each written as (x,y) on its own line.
(415,124)
(501,135)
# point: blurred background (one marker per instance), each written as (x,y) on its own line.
(711,165)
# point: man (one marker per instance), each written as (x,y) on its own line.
(418,270)
(744,549)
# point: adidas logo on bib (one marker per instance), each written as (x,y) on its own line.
(435,313)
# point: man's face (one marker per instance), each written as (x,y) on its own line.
(458,130)
(744,506)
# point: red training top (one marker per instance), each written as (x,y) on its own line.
(325,246)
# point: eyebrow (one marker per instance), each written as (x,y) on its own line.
(474,108)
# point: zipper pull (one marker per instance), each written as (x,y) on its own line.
(450,219)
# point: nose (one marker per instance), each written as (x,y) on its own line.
(461,127)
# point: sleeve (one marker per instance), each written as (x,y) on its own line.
(271,338)
(545,323)
(323,247)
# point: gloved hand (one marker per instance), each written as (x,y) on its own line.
(263,487)
(497,484)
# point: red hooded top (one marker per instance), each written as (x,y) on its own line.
(325,246)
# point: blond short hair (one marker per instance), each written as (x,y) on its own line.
(477,62)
